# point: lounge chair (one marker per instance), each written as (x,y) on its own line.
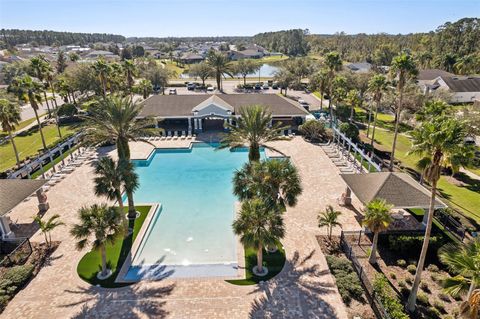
(169,135)
(183,135)
(175,135)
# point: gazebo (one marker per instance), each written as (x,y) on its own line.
(397,189)
(13,192)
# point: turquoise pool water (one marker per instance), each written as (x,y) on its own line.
(191,235)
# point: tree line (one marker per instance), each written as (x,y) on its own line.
(12,37)
(290,42)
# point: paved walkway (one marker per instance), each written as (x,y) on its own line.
(304,289)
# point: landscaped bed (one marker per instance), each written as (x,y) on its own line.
(347,280)
(273,261)
(90,264)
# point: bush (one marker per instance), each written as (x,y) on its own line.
(422,298)
(401,263)
(388,298)
(434,313)
(348,284)
(412,269)
(408,280)
(402,283)
(411,245)
(435,277)
(313,130)
(13,280)
(350,130)
(433,268)
(405,292)
(440,306)
(444,297)
(424,287)
(67,109)
(393,275)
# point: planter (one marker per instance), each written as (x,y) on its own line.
(103,277)
(260,274)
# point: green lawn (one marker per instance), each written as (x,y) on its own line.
(91,263)
(273,261)
(28,143)
(21,125)
(386,121)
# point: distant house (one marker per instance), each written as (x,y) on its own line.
(190,58)
(360,67)
(463,89)
(99,53)
(246,54)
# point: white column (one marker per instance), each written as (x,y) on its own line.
(5,228)
(200,124)
(225,121)
(189,124)
(270,123)
(230,120)
(156,123)
(195,124)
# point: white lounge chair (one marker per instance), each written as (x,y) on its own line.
(175,135)
(183,135)
(169,135)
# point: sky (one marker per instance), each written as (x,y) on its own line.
(232,17)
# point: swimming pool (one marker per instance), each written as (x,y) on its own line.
(192,234)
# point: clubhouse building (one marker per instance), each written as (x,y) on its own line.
(188,114)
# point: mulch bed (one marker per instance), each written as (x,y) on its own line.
(355,308)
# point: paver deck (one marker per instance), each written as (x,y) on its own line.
(304,289)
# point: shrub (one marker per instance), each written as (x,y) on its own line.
(412,244)
(412,269)
(348,284)
(67,109)
(440,306)
(15,278)
(444,297)
(402,283)
(350,130)
(422,298)
(435,277)
(434,313)
(337,264)
(405,292)
(408,280)
(388,298)
(424,287)
(433,268)
(393,275)
(313,130)
(401,263)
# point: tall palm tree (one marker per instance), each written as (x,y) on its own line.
(377,86)
(319,81)
(258,227)
(102,69)
(130,72)
(39,68)
(329,218)
(9,118)
(46,227)
(470,309)
(100,224)
(131,184)
(145,86)
(253,129)
(404,69)
(49,77)
(220,65)
(28,90)
(377,219)
(354,100)
(115,120)
(464,261)
(333,61)
(276,182)
(440,135)
(108,180)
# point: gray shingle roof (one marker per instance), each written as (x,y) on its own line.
(182,105)
(431,74)
(14,191)
(398,189)
(463,83)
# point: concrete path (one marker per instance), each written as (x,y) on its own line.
(304,289)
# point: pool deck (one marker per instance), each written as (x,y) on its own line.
(304,289)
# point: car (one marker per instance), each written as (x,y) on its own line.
(304,104)
(191,86)
(172,92)
(209,88)
(275,86)
(265,86)
(258,86)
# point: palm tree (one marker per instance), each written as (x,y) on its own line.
(319,81)
(253,129)
(377,219)
(115,120)
(329,218)
(258,227)
(130,72)
(9,118)
(404,68)
(464,261)
(376,86)
(40,67)
(131,184)
(29,90)
(220,65)
(48,226)
(49,77)
(333,61)
(470,309)
(108,181)
(276,182)
(102,69)
(145,86)
(441,135)
(101,222)
(353,98)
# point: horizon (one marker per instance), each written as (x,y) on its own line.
(324,17)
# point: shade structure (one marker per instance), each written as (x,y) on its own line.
(398,189)
(14,191)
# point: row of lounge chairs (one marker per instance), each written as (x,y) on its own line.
(338,157)
(288,133)
(175,135)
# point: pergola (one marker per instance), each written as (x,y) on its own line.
(397,189)
(13,192)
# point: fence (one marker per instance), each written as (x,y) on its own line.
(16,251)
(377,306)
